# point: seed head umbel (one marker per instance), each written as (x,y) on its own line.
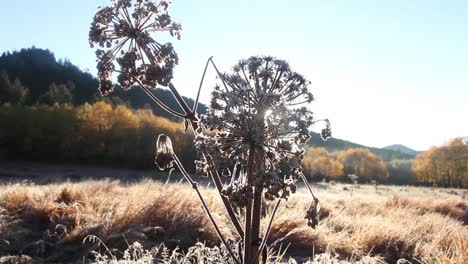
(124,34)
(260,105)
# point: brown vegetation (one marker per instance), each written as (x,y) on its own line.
(49,222)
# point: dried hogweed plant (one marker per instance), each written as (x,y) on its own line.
(257,119)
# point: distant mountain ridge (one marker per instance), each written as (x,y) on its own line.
(402,149)
(38,68)
(336,144)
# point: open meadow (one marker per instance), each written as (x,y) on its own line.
(234,132)
(358,223)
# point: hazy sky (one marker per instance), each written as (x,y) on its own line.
(383,72)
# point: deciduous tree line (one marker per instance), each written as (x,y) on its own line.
(444,166)
(319,163)
(99,133)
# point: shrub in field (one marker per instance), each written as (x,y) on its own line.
(257,117)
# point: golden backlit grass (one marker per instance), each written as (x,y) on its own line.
(386,223)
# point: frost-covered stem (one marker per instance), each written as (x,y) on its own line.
(219,74)
(219,186)
(267,232)
(256,209)
(304,179)
(181,101)
(205,206)
(248,232)
(248,209)
(159,102)
(213,172)
(175,93)
(256,217)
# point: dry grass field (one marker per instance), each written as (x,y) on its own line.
(358,223)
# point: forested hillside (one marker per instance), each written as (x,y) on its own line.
(48,108)
(48,80)
(36,76)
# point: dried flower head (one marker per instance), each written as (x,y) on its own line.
(123,32)
(260,106)
(326,132)
(164,152)
(312,215)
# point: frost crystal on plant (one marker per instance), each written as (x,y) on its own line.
(123,31)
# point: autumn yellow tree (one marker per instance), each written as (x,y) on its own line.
(363,163)
(318,163)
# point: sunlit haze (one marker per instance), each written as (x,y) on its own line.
(383,72)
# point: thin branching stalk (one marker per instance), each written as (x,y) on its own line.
(219,186)
(220,75)
(194,185)
(267,232)
(304,179)
(213,172)
(159,102)
(189,114)
(195,104)
(248,208)
(181,101)
(256,206)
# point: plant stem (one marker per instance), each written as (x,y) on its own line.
(248,209)
(181,101)
(213,172)
(190,115)
(205,206)
(257,207)
(256,217)
(219,74)
(306,182)
(219,186)
(267,232)
(158,101)
(248,232)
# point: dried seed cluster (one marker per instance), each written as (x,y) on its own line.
(123,32)
(259,106)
